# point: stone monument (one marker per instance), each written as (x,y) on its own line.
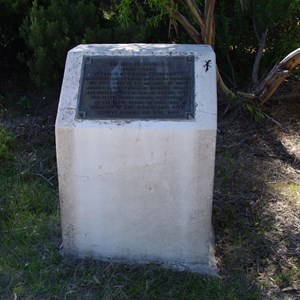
(135,138)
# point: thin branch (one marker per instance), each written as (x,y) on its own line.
(223,87)
(291,61)
(277,75)
(258,57)
(172,23)
(195,35)
(210,22)
(230,81)
(255,29)
(232,70)
(273,120)
(42,176)
(197,14)
(248,96)
(272,85)
(243,4)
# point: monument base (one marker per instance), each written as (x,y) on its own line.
(138,191)
(209,268)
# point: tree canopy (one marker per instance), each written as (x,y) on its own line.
(247,35)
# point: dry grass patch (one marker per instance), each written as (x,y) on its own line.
(257,200)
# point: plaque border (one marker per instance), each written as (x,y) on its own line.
(80,115)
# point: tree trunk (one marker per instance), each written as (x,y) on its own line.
(262,91)
(262,42)
(277,75)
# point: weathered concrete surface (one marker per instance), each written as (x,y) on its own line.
(138,191)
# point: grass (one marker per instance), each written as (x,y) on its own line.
(257,253)
(288,190)
(32,268)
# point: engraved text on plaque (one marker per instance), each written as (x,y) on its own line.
(141,87)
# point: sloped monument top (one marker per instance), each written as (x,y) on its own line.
(204,65)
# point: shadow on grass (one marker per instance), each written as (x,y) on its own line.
(255,218)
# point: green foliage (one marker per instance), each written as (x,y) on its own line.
(236,40)
(50,31)
(254,110)
(232,42)
(284,37)
(154,10)
(41,32)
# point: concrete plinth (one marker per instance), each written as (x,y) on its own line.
(138,191)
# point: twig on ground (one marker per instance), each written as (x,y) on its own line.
(276,122)
(42,176)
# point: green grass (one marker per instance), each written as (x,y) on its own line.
(32,268)
(5,144)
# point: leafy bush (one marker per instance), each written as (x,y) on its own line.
(238,28)
(236,42)
(51,30)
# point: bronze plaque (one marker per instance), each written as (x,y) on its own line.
(142,87)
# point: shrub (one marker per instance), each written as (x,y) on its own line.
(237,27)
(51,30)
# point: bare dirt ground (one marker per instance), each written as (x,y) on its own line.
(257,197)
